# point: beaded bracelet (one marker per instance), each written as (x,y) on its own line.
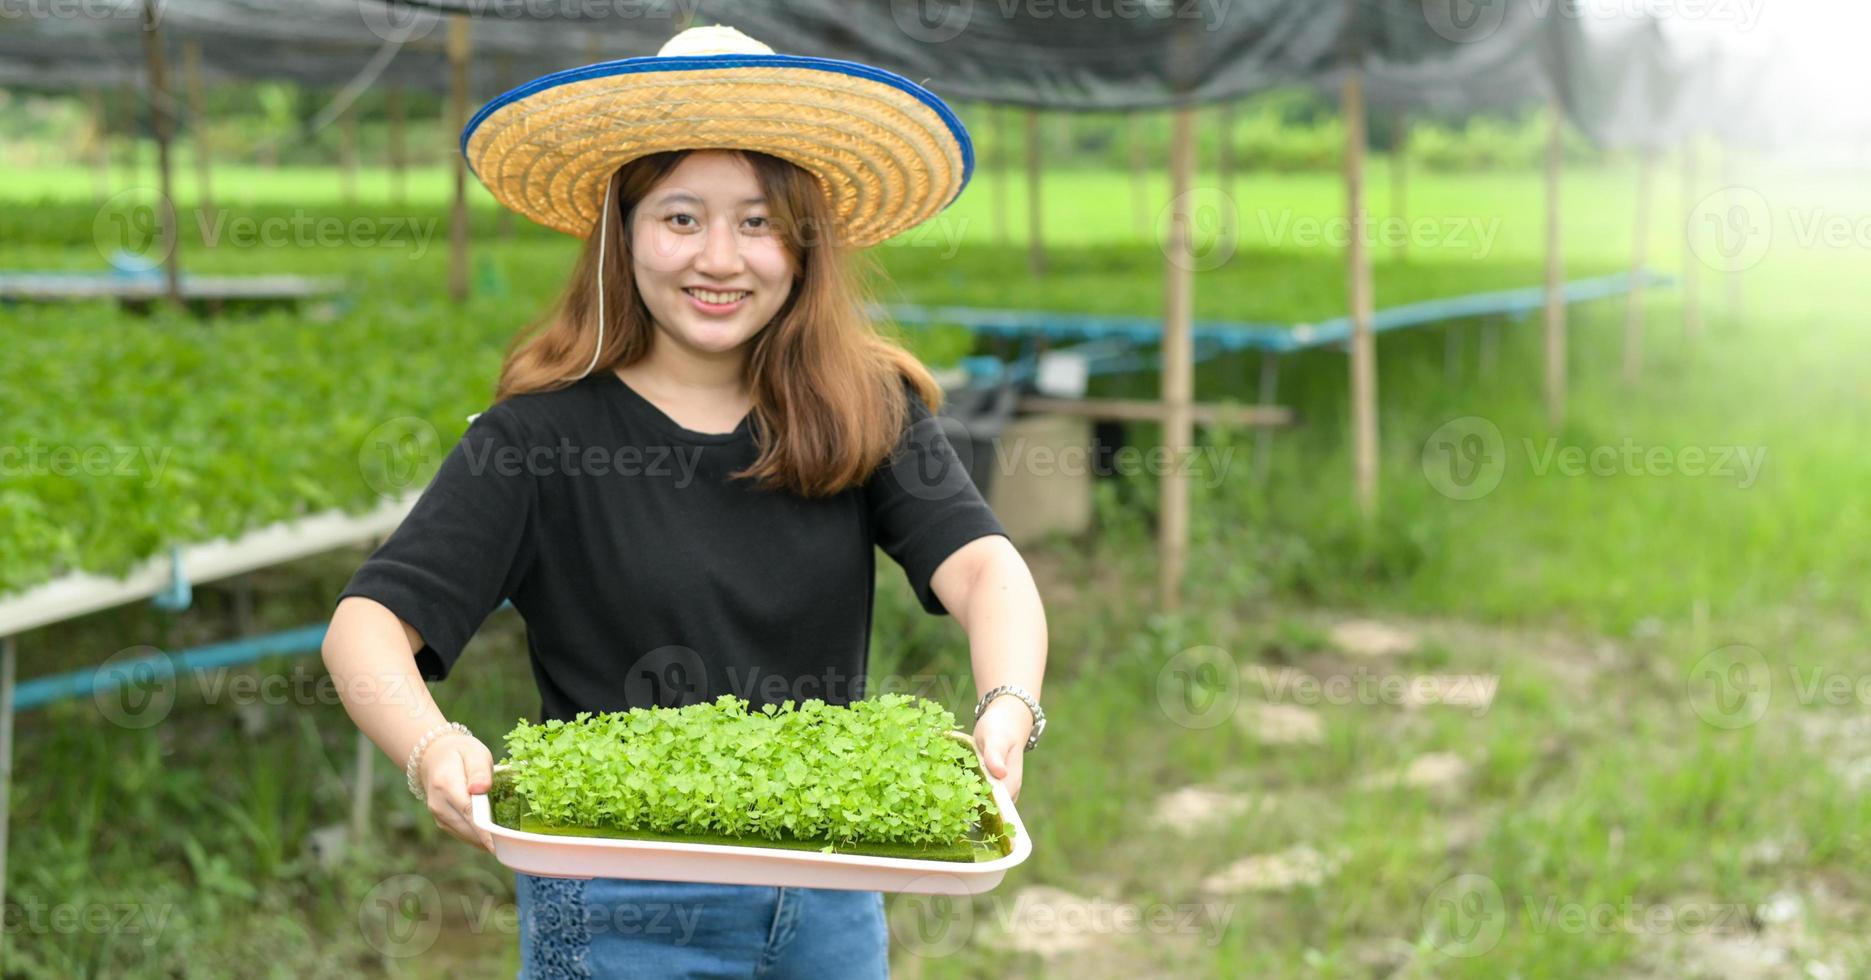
(415,755)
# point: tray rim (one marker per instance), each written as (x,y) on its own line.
(483,812)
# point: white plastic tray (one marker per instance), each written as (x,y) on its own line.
(559,856)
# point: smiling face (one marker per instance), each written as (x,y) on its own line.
(708,262)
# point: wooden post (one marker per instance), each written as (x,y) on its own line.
(1692,287)
(460,42)
(100,126)
(243,605)
(1225,164)
(1731,178)
(1634,300)
(1139,178)
(132,141)
(198,127)
(126,153)
(1399,167)
(361,785)
(1555,273)
(1001,178)
(9,653)
(347,154)
(1036,244)
(1489,353)
(1178,377)
(399,160)
(1268,394)
(1358,270)
(161,107)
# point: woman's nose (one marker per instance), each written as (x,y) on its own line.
(721,252)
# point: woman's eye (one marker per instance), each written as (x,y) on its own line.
(683,215)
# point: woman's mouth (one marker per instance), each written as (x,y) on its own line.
(717,303)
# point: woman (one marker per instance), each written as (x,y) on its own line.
(686,473)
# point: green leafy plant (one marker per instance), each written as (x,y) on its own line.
(882,775)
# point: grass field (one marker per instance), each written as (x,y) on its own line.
(1632,747)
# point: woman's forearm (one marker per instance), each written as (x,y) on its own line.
(370,654)
(1005,623)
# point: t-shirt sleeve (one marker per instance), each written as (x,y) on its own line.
(465,546)
(923,504)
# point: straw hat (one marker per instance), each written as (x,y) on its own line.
(889,153)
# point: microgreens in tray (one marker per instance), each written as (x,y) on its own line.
(884,776)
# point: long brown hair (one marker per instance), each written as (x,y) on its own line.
(829,403)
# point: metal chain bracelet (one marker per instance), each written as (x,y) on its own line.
(415,755)
(1032,704)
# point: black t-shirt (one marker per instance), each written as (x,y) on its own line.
(647,576)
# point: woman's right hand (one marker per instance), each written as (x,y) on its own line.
(454,766)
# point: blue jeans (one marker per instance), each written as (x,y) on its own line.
(622,927)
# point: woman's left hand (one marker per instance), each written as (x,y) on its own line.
(1001,735)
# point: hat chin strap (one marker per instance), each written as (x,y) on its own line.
(604,227)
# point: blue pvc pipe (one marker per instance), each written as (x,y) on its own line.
(1274,337)
(41,691)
